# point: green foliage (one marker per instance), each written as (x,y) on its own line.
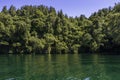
(36,44)
(41,29)
(12,10)
(4,10)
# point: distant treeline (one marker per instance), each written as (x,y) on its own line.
(42,29)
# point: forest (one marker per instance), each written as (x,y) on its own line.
(41,29)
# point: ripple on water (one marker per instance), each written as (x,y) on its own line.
(73,78)
(15,78)
(10,79)
(88,78)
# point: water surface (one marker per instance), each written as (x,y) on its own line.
(60,67)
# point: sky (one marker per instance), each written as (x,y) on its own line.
(69,7)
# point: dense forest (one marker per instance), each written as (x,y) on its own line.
(42,29)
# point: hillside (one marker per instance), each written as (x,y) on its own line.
(41,29)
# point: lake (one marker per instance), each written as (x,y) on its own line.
(60,67)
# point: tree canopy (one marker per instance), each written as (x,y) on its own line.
(42,29)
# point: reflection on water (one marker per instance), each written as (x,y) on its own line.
(87,78)
(11,79)
(59,67)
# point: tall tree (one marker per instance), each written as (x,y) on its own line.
(12,10)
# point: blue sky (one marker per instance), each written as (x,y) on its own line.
(70,7)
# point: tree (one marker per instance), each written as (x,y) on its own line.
(12,10)
(50,40)
(36,45)
(42,29)
(4,10)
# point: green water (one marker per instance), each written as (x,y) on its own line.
(60,67)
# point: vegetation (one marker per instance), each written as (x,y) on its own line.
(42,29)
